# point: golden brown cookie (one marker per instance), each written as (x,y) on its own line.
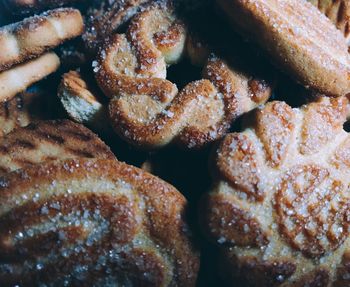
(33,36)
(300,41)
(338,12)
(20,77)
(146,109)
(44,141)
(105,20)
(80,103)
(93,223)
(28,6)
(279,209)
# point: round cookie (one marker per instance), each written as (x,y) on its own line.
(279,206)
(298,38)
(93,223)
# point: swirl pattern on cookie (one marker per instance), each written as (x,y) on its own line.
(280,207)
(146,109)
(33,36)
(93,222)
(298,38)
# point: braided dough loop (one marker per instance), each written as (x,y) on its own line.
(146,109)
(93,222)
(280,206)
(33,36)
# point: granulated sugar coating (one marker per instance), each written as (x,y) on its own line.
(93,223)
(146,109)
(280,208)
(301,41)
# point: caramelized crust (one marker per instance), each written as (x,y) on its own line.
(93,222)
(146,109)
(338,11)
(299,40)
(44,141)
(273,198)
(20,77)
(33,36)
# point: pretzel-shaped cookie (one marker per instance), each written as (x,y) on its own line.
(146,109)
(106,19)
(280,208)
(338,12)
(301,41)
(33,36)
(93,223)
(20,77)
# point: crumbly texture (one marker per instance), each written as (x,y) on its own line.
(33,36)
(338,12)
(279,209)
(80,103)
(19,78)
(93,222)
(44,141)
(300,40)
(146,109)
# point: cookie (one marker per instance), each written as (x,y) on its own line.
(20,77)
(279,207)
(30,6)
(80,102)
(298,38)
(33,36)
(104,18)
(146,109)
(93,223)
(338,12)
(43,141)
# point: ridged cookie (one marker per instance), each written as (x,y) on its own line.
(44,141)
(33,36)
(338,12)
(93,223)
(146,109)
(279,209)
(298,38)
(20,77)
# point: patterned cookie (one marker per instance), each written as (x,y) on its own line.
(338,12)
(146,109)
(44,141)
(279,209)
(298,38)
(93,223)
(20,77)
(33,36)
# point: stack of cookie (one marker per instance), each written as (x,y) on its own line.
(259,89)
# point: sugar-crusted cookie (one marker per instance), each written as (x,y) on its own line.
(298,38)
(20,77)
(93,223)
(146,109)
(279,207)
(33,36)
